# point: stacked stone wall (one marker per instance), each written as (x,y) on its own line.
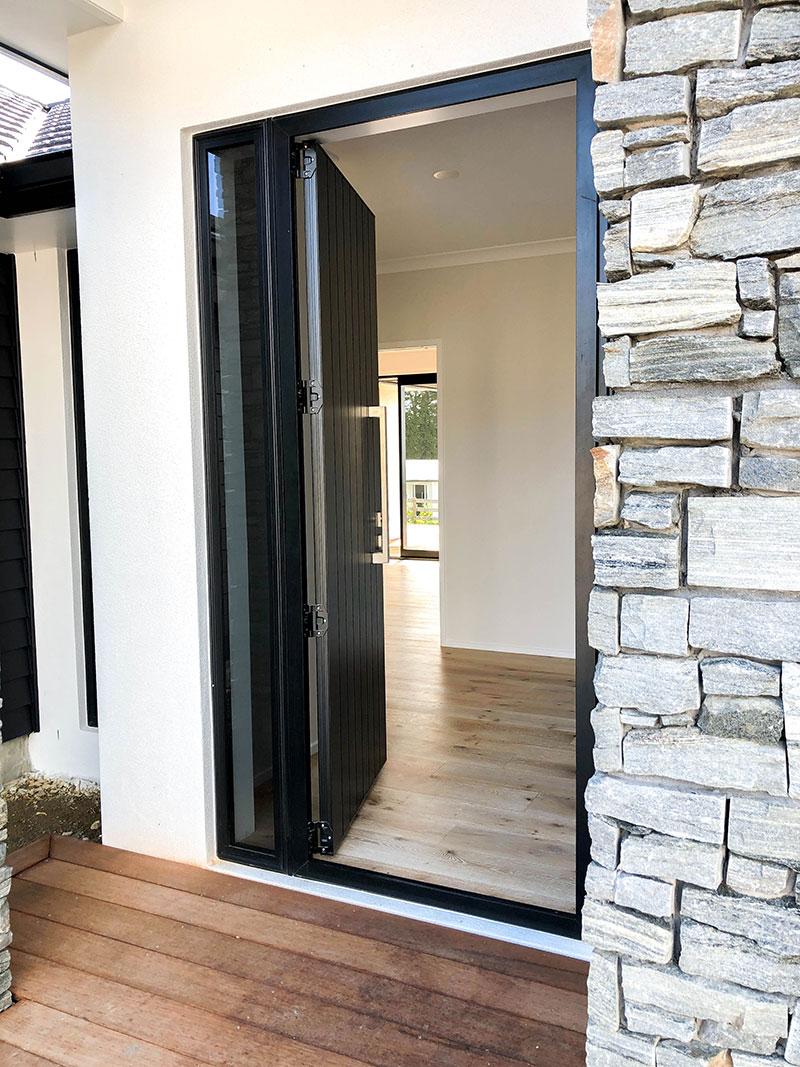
(694,809)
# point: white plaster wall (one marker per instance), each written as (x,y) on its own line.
(136,89)
(65,745)
(507,432)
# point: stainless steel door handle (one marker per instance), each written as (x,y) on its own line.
(381,555)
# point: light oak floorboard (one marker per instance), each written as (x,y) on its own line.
(478,790)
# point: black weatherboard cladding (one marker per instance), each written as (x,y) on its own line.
(17,657)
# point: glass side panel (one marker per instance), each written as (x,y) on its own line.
(421,468)
(244,539)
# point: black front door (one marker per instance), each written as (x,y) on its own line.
(345,490)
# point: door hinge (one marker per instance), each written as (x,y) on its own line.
(304,161)
(309,396)
(315,620)
(320,839)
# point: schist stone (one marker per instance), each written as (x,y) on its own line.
(682,41)
(643,100)
(719,89)
(605,837)
(665,417)
(654,166)
(656,511)
(750,718)
(792,1050)
(608,732)
(750,135)
(605,459)
(775,34)
(618,1048)
(668,258)
(789,322)
(617,251)
(771,925)
(771,418)
(758,324)
(688,296)
(746,542)
(755,878)
(791,708)
(663,218)
(668,988)
(686,754)
(677,811)
(649,896)
(636,561)
(600,882)
(765,828)
(651,136)
(603,626)
(655,624)
(708,465)
(713,953)
(660,856)
(764,629)
(791,700)
(749,217)
(756,281)
(695,357)
(645,1020)
(658,8)
(791,262)
(615,210)
(657,685)
(608,159)
(612,929)
(733,676)
(780,474)
(616,362)
(603,986)
(672,1054)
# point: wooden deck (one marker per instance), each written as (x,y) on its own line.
(122,959)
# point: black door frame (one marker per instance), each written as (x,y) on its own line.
(277,139)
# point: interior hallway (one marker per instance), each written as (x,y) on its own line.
(478,791)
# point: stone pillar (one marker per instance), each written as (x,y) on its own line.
(694,809)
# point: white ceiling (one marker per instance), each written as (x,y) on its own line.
(516,181)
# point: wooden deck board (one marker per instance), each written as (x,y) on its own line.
(111,967)
(457,945)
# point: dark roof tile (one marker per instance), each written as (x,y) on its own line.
(28,128)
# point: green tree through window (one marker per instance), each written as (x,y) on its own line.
(421,421)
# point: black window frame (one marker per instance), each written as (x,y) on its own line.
(82,487)
(278,138)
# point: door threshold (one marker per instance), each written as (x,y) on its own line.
(556,944)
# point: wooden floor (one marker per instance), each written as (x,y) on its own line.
(121,959)
(478,791)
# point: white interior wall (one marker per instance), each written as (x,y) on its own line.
(138,89)
(65,745)
(506,433)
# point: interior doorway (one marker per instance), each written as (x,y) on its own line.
(429,736)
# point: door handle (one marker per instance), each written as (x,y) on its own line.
(381,555)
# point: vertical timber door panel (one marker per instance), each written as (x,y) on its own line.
(343,350)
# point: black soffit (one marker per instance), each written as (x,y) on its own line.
(40,183)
